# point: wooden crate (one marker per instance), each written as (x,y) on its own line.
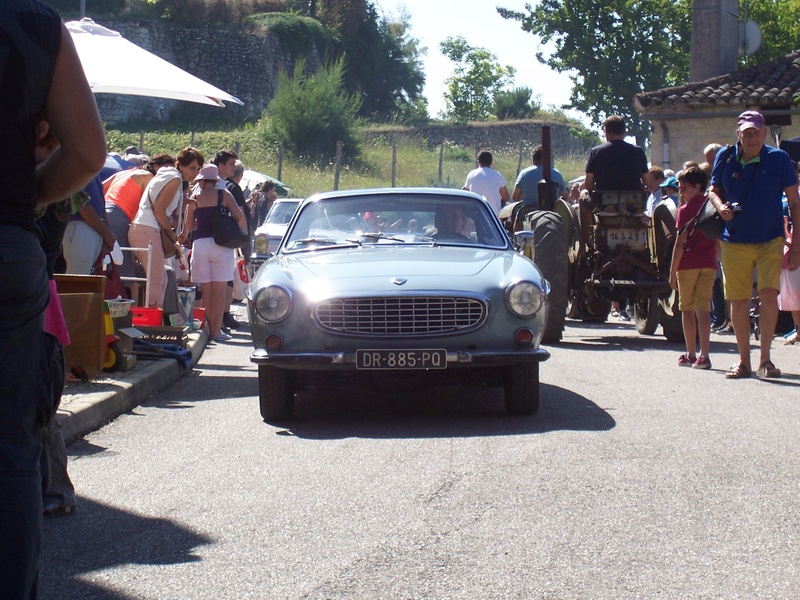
(165,335)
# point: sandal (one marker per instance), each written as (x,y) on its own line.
(738,371)
(768,371)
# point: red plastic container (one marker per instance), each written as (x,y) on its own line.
(152,317)
(199,314)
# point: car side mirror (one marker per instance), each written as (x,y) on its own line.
(524,241)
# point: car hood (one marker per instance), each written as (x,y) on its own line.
(379,269)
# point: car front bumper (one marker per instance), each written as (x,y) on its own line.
(347,360)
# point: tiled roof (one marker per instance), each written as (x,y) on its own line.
(775,84)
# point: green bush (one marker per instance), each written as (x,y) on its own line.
(515,104)
(297,35)
(310,113)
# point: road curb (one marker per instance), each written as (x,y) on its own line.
(92,411)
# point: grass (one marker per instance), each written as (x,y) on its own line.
(415,165)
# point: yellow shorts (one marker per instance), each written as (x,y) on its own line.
(740,260)
(695,287)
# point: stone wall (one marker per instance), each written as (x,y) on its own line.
(676,140)
(495,136)
(245,66)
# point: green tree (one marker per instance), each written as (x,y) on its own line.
(311,112)
(515,104)
(779,21)
(384,66)
(476,78)
(613,49)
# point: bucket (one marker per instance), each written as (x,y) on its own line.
(186,297)
(199,318)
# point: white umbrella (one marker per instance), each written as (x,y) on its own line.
(250,179)
(114,65)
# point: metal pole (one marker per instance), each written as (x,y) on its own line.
(339,146)
(83,8)
(519,162)
(547,188)
(280,162)
(141,142)
(394,164)
(441,160)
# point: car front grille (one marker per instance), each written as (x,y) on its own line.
(403,316)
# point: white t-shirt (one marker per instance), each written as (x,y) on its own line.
(145,215)
(486,182)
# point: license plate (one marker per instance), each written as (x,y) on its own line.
(401,359)
(627,237)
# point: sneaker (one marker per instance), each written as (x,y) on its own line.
(686,361)
(623,316)
(223,337)
(614,313)
(702,362)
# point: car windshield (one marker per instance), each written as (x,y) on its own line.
(281,212)
(395,219)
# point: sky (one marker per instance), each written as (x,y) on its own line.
(479,23)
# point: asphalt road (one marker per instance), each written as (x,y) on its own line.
(636,479)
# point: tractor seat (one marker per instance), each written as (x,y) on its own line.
(624,202)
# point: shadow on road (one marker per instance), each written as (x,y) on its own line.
(454,411)
(98,537)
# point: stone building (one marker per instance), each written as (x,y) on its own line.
(687,118)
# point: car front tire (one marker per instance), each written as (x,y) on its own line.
(275,394)
(522,389)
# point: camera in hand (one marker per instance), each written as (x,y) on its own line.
(735,207)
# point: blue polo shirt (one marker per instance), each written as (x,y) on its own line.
(758,188)
(528,181)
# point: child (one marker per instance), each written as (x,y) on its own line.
(694,266)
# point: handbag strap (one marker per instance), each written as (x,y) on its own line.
(153,209)
(220,206)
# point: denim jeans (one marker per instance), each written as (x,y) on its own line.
(718,303)
(25,405)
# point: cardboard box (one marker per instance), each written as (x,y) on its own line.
(127,335)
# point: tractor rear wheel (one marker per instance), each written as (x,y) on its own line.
(550,255)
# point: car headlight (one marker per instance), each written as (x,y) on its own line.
(525,299)
(273,303)
(260,243)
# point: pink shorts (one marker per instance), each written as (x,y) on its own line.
(211,262)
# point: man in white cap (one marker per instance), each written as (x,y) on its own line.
(747,185)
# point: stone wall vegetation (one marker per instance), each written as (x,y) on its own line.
(244,65)
(247,65)
(495,136)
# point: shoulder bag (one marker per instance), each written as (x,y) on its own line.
(167,242)
(709,222)
(225,230)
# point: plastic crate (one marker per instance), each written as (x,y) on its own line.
(152,317)
(199,314)
(118,308)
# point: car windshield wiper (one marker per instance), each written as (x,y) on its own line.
(376,237)
(317,241)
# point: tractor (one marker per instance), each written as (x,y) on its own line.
(601,249)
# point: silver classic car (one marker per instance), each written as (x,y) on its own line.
(401,287)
